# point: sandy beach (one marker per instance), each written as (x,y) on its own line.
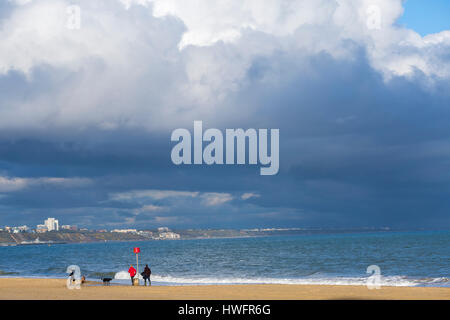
(49,289)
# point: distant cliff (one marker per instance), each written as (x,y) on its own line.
(93,236)
(68,236)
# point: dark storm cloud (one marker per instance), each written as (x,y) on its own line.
(362,153)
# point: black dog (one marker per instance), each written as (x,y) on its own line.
(106,281)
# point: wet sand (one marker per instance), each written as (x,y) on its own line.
(44,289)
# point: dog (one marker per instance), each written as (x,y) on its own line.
(106,281)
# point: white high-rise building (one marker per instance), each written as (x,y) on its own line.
(52,224)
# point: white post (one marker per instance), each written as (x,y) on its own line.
(137,265)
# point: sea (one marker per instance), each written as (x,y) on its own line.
(393,258)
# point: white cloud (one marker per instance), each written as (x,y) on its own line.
(249,195)
(12,184)
(328,23)
(149,209)
(124,67)
(216,199)
(206,198)
(15,184)
(20,2)
(151,194)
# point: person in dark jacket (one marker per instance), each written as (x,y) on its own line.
(146,275)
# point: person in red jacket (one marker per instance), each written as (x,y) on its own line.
(132,272)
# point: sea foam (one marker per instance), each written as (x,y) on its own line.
(389,281)
(124,275)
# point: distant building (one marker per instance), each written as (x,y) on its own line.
(41,228)
(163,229)
(147,234)
(169,235)
(16,229)
(20,229)
(52,224)
(125,230)
(69,227)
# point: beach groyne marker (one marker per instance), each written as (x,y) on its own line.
(137,250)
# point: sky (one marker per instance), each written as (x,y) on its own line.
(359,92)
(432,17)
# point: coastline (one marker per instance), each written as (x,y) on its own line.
(50,289)
(74,237)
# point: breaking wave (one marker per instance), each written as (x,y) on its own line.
(123,275)
(391,281)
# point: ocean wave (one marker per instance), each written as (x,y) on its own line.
(440,280)
(6,273)
(123,275)
(391,281)
(388,281)
(385,281)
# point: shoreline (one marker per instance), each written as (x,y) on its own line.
(167,283)
(51,288)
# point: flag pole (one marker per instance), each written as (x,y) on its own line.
(137,265)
